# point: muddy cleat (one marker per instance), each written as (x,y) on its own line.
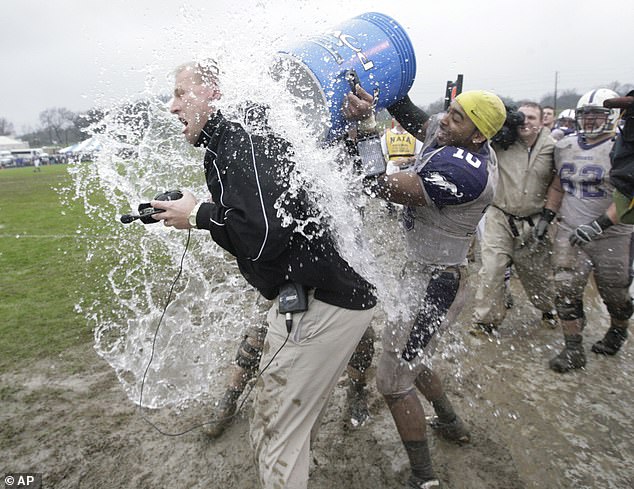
(357,397)
(611,342)
(226,409)
(483,329)
(549,320)
(416,483)
(455,431)
(568,359)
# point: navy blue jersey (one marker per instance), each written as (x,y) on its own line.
(453,175)
(459,185)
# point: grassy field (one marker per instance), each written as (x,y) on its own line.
(43,266)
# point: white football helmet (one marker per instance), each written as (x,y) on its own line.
(567,114)
(592,118)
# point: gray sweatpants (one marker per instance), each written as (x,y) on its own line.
(609,258)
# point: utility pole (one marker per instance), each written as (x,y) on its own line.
(452,90)
(555,96)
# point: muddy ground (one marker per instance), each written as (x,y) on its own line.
(69,419)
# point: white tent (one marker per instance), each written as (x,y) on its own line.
(90,145)
(68,149)
(8,143)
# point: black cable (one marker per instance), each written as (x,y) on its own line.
(147,368)
(167,303)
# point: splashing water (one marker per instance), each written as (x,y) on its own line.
(144,154)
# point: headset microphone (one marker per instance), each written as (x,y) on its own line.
(146,210)
(128,218)
(143,213)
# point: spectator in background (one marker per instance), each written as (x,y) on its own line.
(549,117)
(399,147)
(526,169)
(564,125)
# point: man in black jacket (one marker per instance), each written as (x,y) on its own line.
(254,214)
(622,158)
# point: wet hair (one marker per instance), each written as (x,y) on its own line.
(206,69)
(534,105)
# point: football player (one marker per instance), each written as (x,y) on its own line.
(564,125)
(588,240)
(445,194)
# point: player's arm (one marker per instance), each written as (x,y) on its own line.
(612,214)
(403,187)
(448,178)
(585,233)
(554,196)
(413,119)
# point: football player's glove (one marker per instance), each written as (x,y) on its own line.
(540,229)
(588,232)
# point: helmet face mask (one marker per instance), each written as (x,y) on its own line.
(592,119)
(593,122)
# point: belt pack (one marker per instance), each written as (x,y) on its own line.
(293,297)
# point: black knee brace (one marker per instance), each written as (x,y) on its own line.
(569,310)
(249,352)
(621,311)
(361,359)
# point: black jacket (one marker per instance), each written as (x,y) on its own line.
(622,155)
(248,176)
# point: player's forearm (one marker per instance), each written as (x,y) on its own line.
(554,195)
(412,118)
(612,214)
(401,188)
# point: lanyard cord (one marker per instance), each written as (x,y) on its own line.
(147,368)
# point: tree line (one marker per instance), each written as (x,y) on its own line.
(59,126)
(62,127)
(567,99)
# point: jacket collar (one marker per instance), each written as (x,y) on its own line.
(207,133)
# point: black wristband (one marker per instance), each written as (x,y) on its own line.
(410,116)
(604,221)
(548,215)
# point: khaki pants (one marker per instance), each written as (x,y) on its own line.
(531,259)
(294,389)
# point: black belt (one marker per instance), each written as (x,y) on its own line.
(512,218)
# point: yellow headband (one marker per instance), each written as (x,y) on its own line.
(485,109)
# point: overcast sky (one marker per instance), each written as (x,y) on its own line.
(80,54)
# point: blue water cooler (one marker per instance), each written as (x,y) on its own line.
(374,45)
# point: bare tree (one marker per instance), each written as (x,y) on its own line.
(56,121)
(6,127)
(621,88)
